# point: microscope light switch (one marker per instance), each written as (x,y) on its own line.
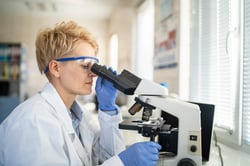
(193,137)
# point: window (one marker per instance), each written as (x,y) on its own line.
(114,51)
(145,40)
(215,72)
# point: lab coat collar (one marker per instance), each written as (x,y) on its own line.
(77,110)
(50,94)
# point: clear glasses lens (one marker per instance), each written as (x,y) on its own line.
(86,64)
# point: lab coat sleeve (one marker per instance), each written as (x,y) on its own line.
(111,140)
(31,141)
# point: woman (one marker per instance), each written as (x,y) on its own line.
(51,128)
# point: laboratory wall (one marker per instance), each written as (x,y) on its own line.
(123,23)
(169,71)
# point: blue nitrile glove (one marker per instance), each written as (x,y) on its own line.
(141,154)
(106,94)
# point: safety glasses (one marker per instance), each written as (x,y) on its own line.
(85,61)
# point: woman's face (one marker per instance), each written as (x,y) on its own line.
(75,75)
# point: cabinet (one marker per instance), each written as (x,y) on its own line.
(11,65)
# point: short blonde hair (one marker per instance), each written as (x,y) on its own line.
(57,42)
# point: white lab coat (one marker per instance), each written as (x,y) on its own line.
(40,132)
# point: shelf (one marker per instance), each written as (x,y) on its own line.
(10,57)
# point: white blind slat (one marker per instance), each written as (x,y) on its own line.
(246,76)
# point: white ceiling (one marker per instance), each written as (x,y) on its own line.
(86,9)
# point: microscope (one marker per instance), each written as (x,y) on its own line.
(181,144)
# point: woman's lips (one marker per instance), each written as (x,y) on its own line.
(89,83)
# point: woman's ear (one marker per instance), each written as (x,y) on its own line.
(54,68)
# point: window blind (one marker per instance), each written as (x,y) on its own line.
(246,75)
(215,64)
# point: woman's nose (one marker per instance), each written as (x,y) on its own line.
(91,74)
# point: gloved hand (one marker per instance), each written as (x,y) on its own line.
(141,154)
(106,93)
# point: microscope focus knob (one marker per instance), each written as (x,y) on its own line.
(186,162)
(193,148)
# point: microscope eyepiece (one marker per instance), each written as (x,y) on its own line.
(103,72)
(126,82)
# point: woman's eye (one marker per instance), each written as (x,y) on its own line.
(86,66)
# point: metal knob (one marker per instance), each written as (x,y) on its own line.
(186,162)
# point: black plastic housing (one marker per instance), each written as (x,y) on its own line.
(126,82)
